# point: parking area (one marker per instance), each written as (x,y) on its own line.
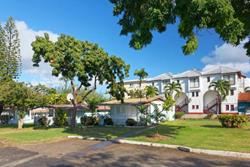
(69,153)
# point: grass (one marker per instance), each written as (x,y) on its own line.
(207,134)
(10,134)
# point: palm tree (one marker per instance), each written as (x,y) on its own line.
(223,88)
(171,88)
(142,74)
(151,91)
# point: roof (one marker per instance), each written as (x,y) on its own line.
(134,101)
(40,110)
(68,106)
(103,108)
(163,76)
(220,70)
(189,73)
(244,97)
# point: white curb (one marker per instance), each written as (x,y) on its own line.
(188,149)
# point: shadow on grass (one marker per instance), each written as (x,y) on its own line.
(212,126)
(101,132)
(163,129)
(14,126)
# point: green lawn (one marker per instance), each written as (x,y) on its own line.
(206,134)
(29,135)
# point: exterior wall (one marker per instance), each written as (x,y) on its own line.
(120,113)
(196,103)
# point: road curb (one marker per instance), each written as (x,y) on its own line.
(188,149)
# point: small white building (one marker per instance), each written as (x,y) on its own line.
(120,112)
(196,96)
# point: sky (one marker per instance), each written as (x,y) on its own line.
(92,20)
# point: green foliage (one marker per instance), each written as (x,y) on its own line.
(131,122)
(108,121)
(142,74)
(171,88)
(222,87)
(57,98)
(229,18)
(178,115)
(136,93)
(4,119)
(82,61)
(10,57)
(145,118)
(157,115)
(233,121)
(89,121)
(42,123)
(168,103)
(61,118)
(151,91)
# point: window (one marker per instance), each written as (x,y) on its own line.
(197,94)
(193,106)
(231,92)
(229,78)
(51,113)
(192,94)
(208,79)
(153,84)
(194,82)
(131,85)
(227,107)
(232,107)
(165,82)
(197,106)
(178,81)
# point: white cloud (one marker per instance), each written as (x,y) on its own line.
(228,55)
(35,75)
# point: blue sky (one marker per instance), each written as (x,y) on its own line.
(92,20)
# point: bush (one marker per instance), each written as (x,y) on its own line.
(42,122)
(108,121)
(61,118)
(179,114)
(210,116)
(233,121)
(131,122)
(4,119)
(88,121)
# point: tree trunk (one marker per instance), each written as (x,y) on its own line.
(20,123)
(73,116)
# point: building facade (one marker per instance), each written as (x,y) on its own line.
(196,96)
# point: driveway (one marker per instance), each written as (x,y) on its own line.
(69,153)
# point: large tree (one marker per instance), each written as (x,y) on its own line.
(229,18)
(10,57)
(84,64)
(20,98)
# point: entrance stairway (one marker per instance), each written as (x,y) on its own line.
(210,107)
(181,105)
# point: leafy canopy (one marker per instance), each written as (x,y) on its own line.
(222,86)
(229,18)
(81,60)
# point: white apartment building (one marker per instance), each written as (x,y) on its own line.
(196,96)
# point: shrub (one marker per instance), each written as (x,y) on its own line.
(108,121)
(210,116)
(131,122)
(61,118)
(88,121)
(233,121)
(42,122)
(179,114)
(4,119)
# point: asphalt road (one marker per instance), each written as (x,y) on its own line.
(69,153)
